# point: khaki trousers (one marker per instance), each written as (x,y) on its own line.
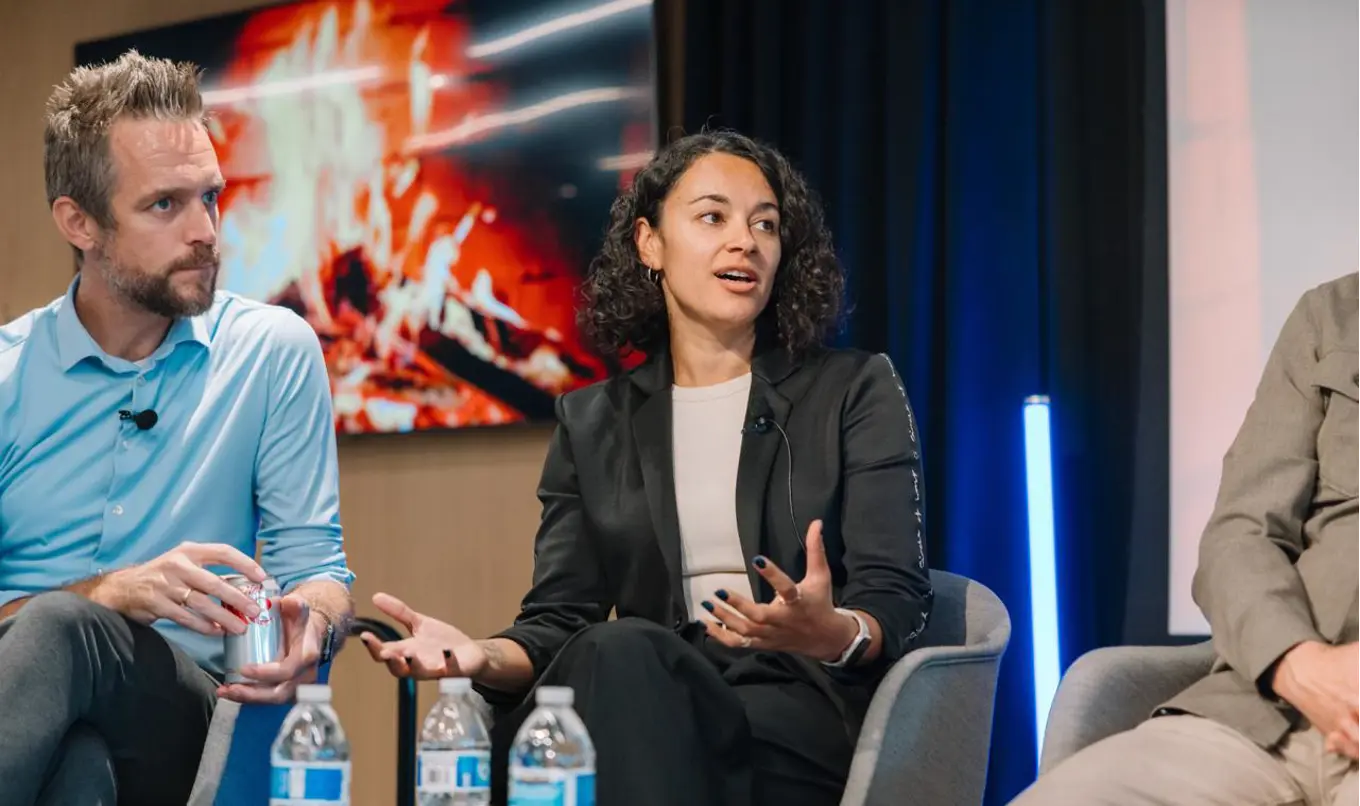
(1191,760)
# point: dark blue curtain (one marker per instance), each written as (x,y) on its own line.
(981,162)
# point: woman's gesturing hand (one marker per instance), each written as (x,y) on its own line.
(434,650)
(802,618)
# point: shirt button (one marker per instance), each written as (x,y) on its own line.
(125,444)
(118,509)
(141,380)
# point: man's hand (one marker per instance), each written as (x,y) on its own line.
(303,632)
(176,586)
(1345,740)
(1323,682)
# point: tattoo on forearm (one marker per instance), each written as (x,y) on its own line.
(495,657)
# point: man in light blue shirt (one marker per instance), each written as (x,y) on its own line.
(153,433)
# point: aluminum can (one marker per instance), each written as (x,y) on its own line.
(262,642)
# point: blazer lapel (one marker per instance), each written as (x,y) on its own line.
(758,454)
(652,434)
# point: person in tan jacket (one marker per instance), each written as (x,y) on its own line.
(1276,720)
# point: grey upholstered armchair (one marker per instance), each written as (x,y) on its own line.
(928,731)
(1113,689)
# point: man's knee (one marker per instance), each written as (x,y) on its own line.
(63,618)
(1085,778)
(60,610)
(1167,760)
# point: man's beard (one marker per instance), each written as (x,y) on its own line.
(155,291)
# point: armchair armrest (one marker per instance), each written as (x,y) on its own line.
(933,708)
(213,762)
(1113,689)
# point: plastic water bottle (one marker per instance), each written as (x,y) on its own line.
(310,758)
(454,766)
(552,762)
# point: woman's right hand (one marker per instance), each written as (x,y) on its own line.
(434,650)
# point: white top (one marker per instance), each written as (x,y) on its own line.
(706,445)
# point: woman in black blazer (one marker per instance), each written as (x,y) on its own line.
(746,502)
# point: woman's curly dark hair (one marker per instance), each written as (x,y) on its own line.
(624,310)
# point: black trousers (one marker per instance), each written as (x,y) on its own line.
(96,709)
(677,718)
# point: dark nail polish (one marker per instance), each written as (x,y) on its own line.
(760,562)
(722,595)
(708,606)
(448,654)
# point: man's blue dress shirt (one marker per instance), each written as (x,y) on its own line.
(243,450)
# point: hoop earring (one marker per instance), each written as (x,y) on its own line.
(654,276)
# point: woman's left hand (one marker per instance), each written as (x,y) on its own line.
(802,618)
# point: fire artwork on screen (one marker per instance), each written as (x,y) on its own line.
(425,183)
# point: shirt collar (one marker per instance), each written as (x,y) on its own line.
(74,343)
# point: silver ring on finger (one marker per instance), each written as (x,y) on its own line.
(746,642)
(184,600)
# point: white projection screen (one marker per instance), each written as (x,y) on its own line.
(1262,199)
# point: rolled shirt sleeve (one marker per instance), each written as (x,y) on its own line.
(297,470)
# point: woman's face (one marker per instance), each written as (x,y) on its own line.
(717,246)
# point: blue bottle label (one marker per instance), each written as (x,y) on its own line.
(309,783)
(536,786)
(450,771)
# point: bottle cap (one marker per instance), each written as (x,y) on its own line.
(554,695)
(454,685)
(313,693)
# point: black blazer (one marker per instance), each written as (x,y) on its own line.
(609,536)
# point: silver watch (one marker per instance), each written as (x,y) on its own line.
(858,646)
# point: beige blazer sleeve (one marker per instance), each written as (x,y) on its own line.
(1246,582)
